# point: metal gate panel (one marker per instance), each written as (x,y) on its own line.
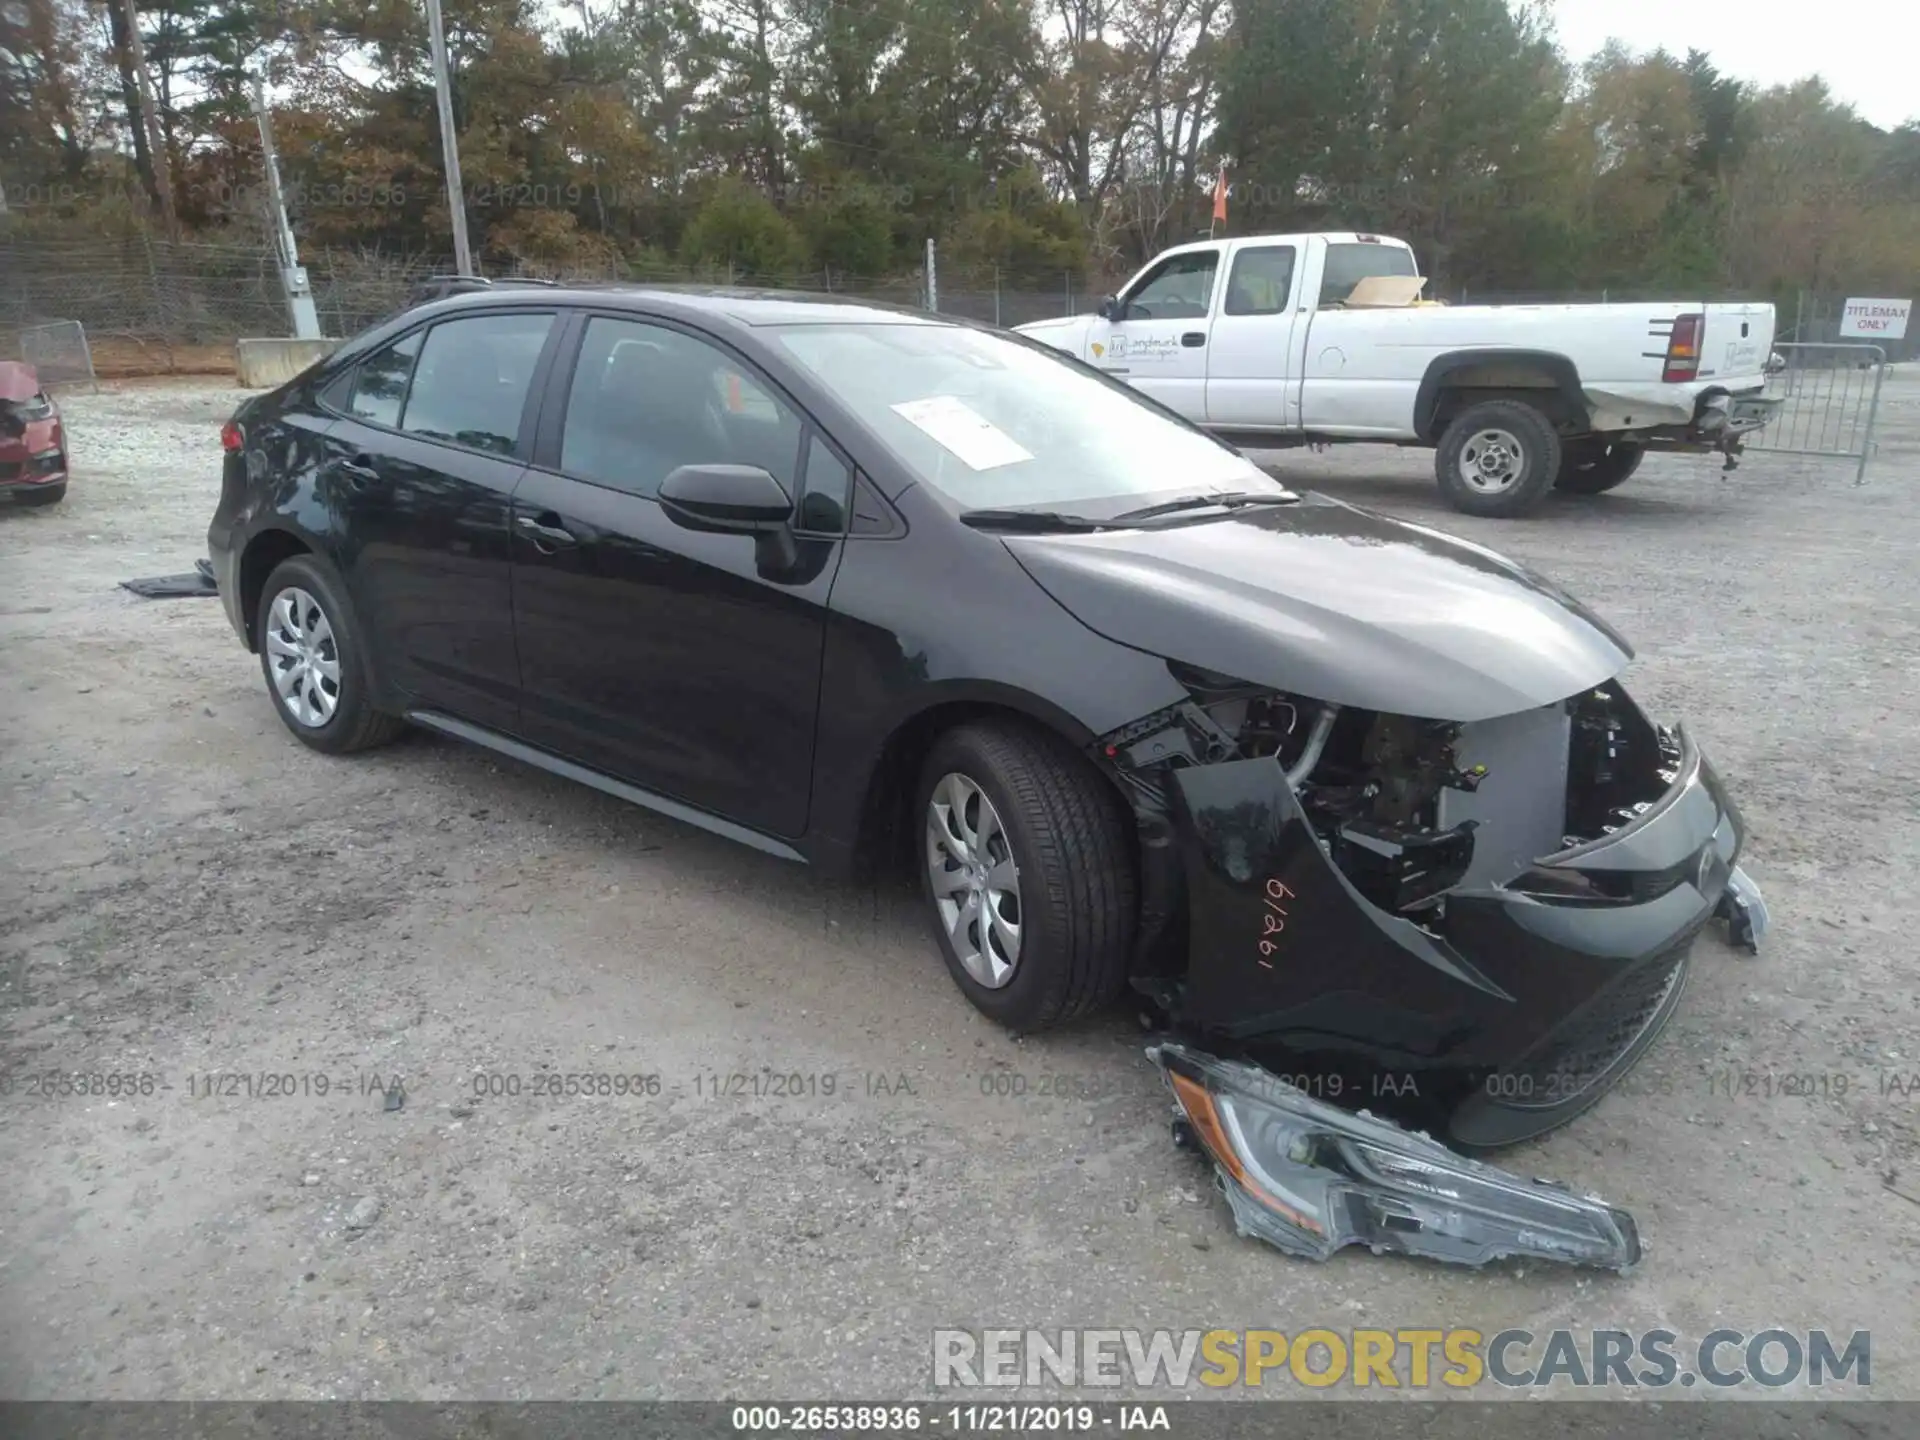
(58,352)
(1832,395)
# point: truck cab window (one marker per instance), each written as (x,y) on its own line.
(1349,264)
(1181,288)
(1261,281)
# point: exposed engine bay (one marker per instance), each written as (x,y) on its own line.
(1412,809)
(1469,927)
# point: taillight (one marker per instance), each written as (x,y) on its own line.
(232,437)
(1683,349)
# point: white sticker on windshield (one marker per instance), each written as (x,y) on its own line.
(950,421)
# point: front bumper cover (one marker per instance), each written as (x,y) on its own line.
(24,469)
(1504,1019)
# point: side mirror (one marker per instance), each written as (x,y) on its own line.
(736,500)
(725,499)
(1111,309)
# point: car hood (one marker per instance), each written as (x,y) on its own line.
(1063,334)
(1336,603)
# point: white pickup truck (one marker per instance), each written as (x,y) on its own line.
(1280,340)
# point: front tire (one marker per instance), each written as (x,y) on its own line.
(1597,467)
(1028,873)
(1497,459)
(314,661)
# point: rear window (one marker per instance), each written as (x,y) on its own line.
(1350,263)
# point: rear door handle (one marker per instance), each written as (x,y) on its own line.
(546,532)
(359,471)
(1194,339)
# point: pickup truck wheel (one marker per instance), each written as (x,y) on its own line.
(1498,459)
(1596,467)
(1027,868)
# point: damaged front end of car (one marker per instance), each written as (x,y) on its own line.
(33,450)
(1473,927)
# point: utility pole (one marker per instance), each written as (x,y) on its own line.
(150,122)
(449,144)
(306,322)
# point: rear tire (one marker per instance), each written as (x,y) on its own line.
(1497,459)
(1595,467)
(1021,841)
(43,494)
(315,662)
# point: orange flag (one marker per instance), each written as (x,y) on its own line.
(1220,197)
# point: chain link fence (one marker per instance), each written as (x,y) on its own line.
(153,305)
(161,301)
(1814,319)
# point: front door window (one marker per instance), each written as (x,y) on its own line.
(1180,288)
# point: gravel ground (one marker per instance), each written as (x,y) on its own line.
(185,890)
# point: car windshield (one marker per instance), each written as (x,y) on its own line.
(999,424)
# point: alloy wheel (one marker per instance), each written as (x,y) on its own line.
(302,658)
(975,882)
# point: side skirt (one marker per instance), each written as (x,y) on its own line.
(632,794)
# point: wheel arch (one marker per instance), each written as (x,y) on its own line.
(887,787)
(264,553)
(1495,374)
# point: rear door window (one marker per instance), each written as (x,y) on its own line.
(470,385)
(1261,281)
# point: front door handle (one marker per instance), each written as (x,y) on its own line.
(546,532)
(1194,339)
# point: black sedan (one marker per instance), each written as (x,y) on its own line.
(1322,790)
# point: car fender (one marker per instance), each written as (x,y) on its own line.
(905,642)
(1563,372)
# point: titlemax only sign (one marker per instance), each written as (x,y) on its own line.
(1875,319)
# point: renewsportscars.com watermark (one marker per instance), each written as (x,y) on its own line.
(1399,1359)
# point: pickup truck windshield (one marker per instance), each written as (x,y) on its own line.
(1348,264)
(996,423)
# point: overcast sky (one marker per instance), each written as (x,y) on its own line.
(1863,49)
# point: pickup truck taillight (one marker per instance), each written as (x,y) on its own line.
(232,437)
(1683,349)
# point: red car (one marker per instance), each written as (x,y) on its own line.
(33,447)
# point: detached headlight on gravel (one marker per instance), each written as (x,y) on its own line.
(1310,1178)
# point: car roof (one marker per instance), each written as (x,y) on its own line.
(741,305)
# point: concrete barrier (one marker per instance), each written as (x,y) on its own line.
(261,364)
